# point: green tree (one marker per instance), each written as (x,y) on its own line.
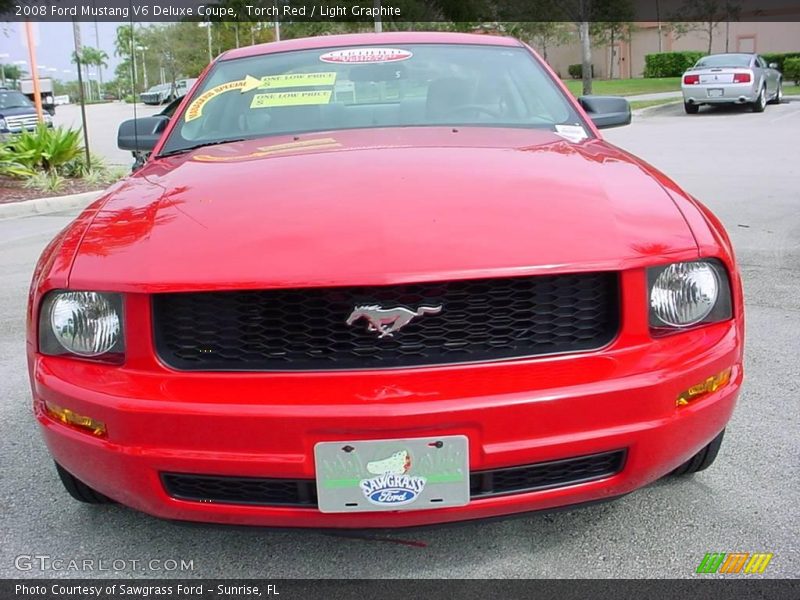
(705,16)
(12,73)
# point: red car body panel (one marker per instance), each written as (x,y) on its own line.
(384,207)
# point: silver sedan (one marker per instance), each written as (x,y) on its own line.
(732,78)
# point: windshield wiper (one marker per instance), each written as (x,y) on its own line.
(196,146)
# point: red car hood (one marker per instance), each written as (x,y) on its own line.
(378,207)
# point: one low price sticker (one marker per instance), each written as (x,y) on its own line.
(250,83)
(290,99)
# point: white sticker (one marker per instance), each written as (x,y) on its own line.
(365,55)
(573,133)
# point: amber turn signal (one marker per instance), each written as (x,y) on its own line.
(712,384)
(67,417)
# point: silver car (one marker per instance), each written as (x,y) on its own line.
(732,78)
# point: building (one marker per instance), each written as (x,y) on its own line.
(626,58)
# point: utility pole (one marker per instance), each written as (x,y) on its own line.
(37,93)
(76,32)
(277,22)
(378,22)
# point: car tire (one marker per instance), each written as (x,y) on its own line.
(703,459)
(778,94)
(691,108)
(761,102)
(79,490)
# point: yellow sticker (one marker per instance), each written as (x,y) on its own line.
(195,109)
(275,99)
(250,83)
(298,80)
(261,151)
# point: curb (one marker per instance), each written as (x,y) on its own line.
(43,206)
(648,109)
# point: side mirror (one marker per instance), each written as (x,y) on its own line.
(141,135)
(773,65)
(607,111)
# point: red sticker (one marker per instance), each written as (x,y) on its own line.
(366,55)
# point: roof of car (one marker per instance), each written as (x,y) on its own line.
(370,39)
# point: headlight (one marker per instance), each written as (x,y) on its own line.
(3,124)
(689,293)
(86,324)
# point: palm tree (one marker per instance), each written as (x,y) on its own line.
(90,57)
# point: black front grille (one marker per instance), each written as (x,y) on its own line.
(241,490)
(304,329)
(302,493)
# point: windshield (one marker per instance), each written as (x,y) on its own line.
(11,99)
(724,60)
(371,87)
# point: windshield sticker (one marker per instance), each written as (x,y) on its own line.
(573,133)
(298,80)
(250,83)
(274,149)
(275,99)
(366,55)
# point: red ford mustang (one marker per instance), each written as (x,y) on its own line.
(381,281)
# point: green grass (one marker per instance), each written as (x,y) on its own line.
(635,104)
(791,90)
(627,87)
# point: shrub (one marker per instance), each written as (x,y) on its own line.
(46,148)
(576,71)
(780,58)
(791,69)
(670,64)
(45,182)
(12,163)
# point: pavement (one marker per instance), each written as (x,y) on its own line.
(741,165)
(103,121)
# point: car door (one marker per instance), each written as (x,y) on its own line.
(770,76)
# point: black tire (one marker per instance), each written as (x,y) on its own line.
(761,102)
(79,490)
(691,108)
(778,95)
(703,459)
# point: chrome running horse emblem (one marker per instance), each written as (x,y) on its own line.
(388,320)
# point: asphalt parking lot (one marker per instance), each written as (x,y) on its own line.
(745,167)
(104,120)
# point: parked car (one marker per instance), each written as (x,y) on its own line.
(17,113)
(731,78)
(166,92)
(158,94)
(442,297)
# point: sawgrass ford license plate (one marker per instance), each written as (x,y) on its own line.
(380,475)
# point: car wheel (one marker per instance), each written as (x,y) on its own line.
(761,102)
(691,108)
(79,490)
(778,94)
(703,459)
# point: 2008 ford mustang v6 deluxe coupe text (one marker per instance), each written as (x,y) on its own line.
(382,281)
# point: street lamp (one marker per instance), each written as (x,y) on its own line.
(142,49)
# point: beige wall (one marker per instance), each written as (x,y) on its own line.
(629,58)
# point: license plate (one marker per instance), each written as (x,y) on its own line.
(403,474)
(715,92)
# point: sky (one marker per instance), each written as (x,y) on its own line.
(55,46)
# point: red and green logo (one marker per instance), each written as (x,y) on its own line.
(734,562)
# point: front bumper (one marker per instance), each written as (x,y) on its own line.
(513,413)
